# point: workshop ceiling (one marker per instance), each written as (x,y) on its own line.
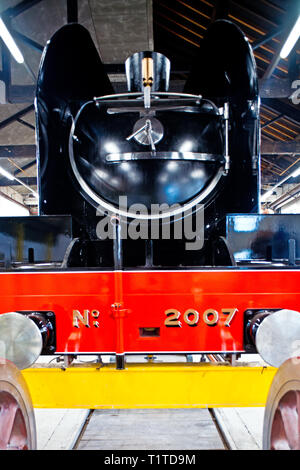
(175,28)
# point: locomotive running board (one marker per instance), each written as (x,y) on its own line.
(187,385)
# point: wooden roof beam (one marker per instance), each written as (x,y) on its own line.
(281,148)
(17,151)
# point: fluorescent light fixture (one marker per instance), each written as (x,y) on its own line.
(296,173)
(12,178)
(291,40)
(268,193)
(10,43)
(6,174)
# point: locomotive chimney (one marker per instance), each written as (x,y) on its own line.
(147,69)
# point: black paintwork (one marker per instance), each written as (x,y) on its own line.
(71,74)
(146,181)
(264,237)
(34,239)
(226,69)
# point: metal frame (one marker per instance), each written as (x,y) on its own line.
(25,93)
(260,42)
(271,121)
(25,181)
(16,116)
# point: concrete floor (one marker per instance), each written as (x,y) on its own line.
(58,429)
(149,429)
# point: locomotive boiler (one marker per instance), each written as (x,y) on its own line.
(149,238)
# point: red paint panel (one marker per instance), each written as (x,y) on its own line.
(144,297)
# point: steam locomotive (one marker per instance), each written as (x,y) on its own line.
(186,156)
(90,274)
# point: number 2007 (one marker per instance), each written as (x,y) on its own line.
(192,317)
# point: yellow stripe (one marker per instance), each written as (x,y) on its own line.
(185,385)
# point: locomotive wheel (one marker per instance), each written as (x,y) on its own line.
(281,430)
(17,422)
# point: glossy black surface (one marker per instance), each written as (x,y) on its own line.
(225,66)
(264,237)
(71,74)
(226,70)
(34,239)
(150,181)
